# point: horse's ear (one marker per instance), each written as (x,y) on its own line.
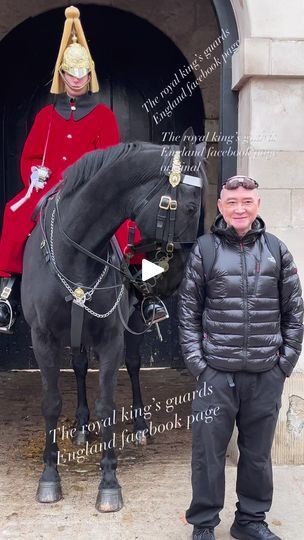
(188,139)
(201,150)
(187,146)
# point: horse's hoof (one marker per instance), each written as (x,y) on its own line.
(48,492)
(80,437)
(141,438)
(109,500)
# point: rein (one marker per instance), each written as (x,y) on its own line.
(163,245)
(82,249)
(144,288)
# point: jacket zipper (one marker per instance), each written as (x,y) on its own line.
(245,299)
(257,274)
(257,269)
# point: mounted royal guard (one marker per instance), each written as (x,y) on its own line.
(75,123)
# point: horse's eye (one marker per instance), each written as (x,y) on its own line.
(190,208)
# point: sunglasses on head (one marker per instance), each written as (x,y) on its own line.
(240,181)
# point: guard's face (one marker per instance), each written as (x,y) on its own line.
(239,208)
(75,86)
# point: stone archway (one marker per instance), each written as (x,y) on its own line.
(134,69)
(191,27)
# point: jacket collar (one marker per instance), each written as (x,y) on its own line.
(220,228)
(84,105)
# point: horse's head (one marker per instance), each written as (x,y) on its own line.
(168,216)
(162,188)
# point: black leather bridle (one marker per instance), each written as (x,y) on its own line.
(163,244)
(166,216)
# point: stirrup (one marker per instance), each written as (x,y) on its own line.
(4,296)
(155,319)
(7,329)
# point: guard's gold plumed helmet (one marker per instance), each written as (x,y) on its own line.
(74,55)
(75,60)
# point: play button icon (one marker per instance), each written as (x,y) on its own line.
(149,270)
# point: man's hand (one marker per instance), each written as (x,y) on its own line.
(196,364)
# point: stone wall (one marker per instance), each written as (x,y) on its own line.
(268,72)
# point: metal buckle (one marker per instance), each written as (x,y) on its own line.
(173,205)
(170,247)
(165,202)
(6,293)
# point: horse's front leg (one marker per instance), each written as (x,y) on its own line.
(82,416)
(47,351)
(133,363)
(109,498)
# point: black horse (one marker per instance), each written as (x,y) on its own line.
(68,269)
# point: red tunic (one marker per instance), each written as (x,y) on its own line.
(68,139)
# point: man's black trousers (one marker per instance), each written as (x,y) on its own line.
(252,400)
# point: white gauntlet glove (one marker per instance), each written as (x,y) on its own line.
(39,176)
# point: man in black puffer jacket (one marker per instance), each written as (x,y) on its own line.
(241,329)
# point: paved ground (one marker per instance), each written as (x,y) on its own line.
(155,480)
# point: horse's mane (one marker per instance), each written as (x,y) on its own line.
(98,161)
(89,164)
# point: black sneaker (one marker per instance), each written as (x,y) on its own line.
(254,530)
(203,533)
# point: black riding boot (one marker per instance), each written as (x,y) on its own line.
(153,310)
(9,298)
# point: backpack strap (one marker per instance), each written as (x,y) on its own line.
(206,244)
(273,245)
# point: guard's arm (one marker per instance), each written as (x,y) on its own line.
(33,150)
(190,310)
(291,304)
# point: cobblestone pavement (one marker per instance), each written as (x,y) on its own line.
(155,479)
